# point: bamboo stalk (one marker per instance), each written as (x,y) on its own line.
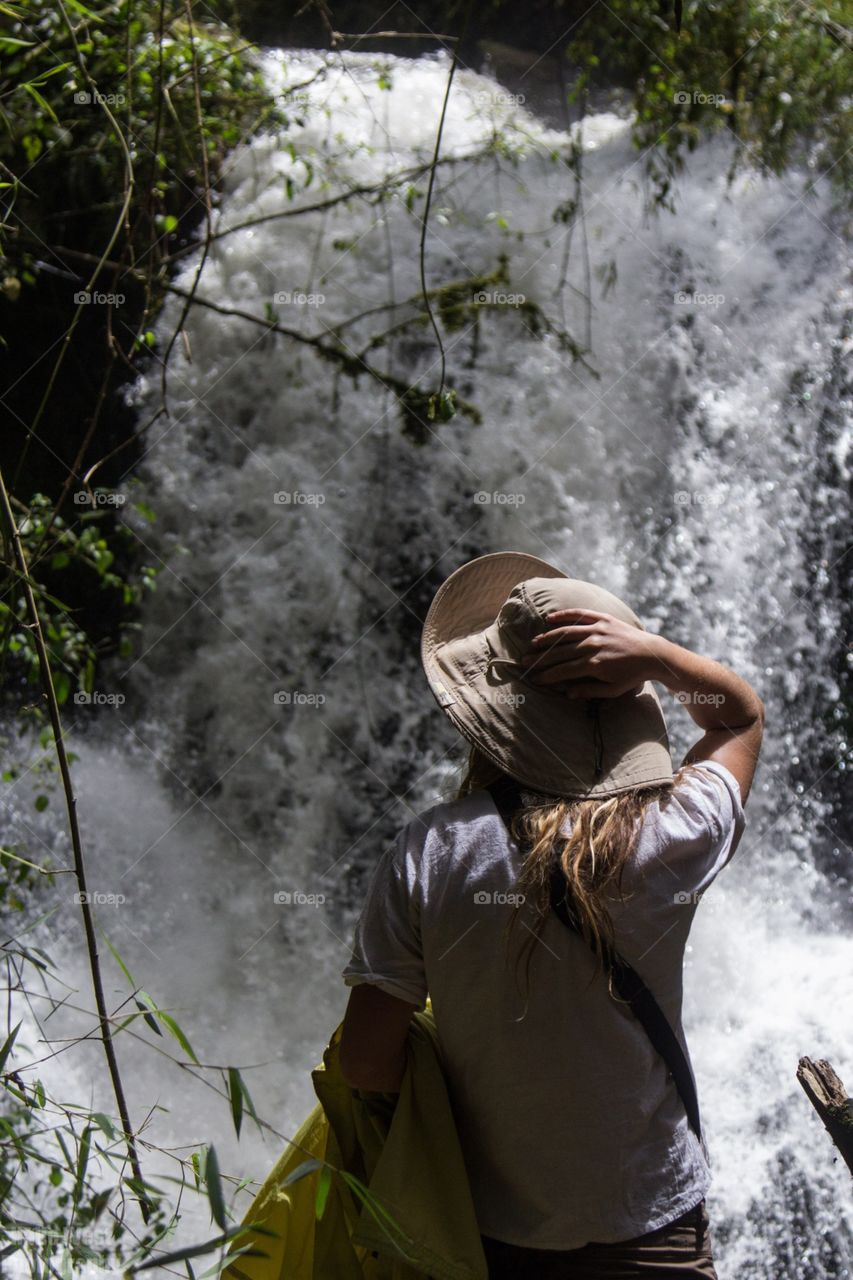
(145,1205)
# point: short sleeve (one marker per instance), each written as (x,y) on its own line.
(387,950)
(706,821)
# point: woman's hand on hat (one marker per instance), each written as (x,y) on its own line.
(590,654)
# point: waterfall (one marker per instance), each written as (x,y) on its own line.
(277,729)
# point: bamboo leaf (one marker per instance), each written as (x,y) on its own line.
(191,1251)
(235,1095)
(302,1171)
(104,1122)
(82,1162)
(120,962)
(324,1183)
(149,1017)
(178,1034)
(382,1216)
(40,100)
(7,1045)
(214,1189)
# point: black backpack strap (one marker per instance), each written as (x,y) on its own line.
(625,980)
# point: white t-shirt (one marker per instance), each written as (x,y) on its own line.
(571,1128)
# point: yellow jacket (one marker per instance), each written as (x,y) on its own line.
(419,1216)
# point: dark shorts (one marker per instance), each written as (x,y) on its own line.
(682,1248)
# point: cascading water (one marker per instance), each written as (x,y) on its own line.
(278,731)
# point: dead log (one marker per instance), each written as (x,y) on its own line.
(830,1100)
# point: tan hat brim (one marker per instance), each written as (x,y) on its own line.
(550,743)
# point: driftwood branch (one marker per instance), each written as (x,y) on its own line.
(827,1094)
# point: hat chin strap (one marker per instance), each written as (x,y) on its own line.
(519,673)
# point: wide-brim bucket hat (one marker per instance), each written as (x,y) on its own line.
(479,625)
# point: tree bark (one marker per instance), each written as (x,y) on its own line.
(828,1096)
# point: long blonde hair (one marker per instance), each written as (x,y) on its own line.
(593,855)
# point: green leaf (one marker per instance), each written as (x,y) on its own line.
(147,1015)
(61,686)
(7,1045)
(82,1162)
(197,1250)
(104,1122)
(176,1031)
(120,962)
(41,101)
(383,1218)
(41,803)
(76,6)
(302,1171)
(235,1095)
(214,1189)
(324,1183)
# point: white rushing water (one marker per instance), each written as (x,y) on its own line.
(702,474)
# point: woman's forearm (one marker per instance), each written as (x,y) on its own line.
(714,695)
